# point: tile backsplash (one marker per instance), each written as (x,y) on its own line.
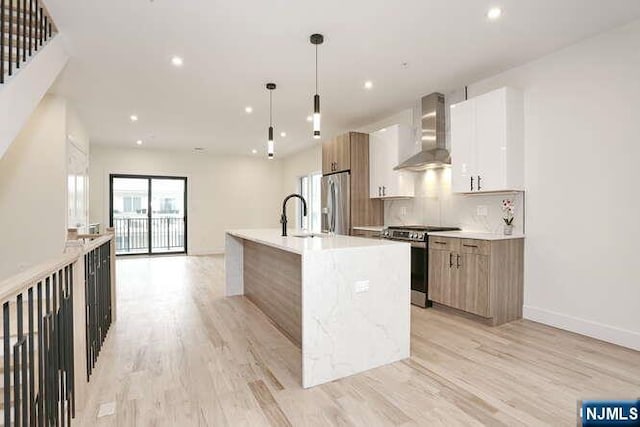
(435,204)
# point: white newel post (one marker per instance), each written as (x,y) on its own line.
(112,232)
(73,245)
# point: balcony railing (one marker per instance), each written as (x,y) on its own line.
(132,235)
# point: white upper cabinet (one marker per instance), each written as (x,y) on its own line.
(487,143)
(384,148)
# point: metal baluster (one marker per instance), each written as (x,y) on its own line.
(17,22)
(10,42)
(46,323)
(3,21)
(72,373)
(7,363)
(17,362)
(32,366)
(61,340)
(24,30)
(41,354)
(87,267)
(30,27)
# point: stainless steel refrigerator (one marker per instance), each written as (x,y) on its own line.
(336,203)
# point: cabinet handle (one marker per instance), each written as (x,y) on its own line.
(451,260)
(440,243)
(379,192)
(458,261)
(384,191)
(470,246)
(479,188)
(471,183)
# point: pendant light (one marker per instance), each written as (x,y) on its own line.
(270,146)
(316,39)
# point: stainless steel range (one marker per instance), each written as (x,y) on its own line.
(418,237)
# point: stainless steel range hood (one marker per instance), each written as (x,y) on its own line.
(434,151)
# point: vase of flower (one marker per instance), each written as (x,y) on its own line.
(508,211)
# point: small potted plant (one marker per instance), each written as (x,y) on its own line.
(508,209)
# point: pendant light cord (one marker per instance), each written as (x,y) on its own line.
(270,108)
(316,69)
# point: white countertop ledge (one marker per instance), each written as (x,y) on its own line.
(272,237)
(479,235)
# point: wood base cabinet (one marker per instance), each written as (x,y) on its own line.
(482,277)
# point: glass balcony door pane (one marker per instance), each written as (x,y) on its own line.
(168,225)
(130,215)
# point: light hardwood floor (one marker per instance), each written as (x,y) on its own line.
(181,354)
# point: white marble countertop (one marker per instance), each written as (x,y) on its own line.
(479,235)
(374,228)
(272,237)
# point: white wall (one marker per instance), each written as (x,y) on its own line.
(582,148)
(20,96)
(223,192)
(33,190)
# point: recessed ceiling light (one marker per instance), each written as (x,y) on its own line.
(309,118)
(133,118)
(368,84)
(254,151)
(283,134)
(177,61)
(383,130)
(248,109)
(139,142)
(494,13)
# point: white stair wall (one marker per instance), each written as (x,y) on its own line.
(22,93)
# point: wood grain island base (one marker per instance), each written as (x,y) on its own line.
(343,300)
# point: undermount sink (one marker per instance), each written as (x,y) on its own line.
(305,236)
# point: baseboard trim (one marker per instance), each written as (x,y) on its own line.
(207,252)
(611,334)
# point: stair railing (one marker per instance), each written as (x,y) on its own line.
(25,27)
(50,315)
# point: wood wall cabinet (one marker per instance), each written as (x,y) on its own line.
(336,154)
(482,277)
(350,152)
(487,143)
(384,154)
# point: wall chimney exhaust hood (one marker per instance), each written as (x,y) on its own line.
(434,151)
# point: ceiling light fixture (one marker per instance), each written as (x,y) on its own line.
(283,134)
(368,84)
(316,39)
(494,13)
(139,142)
(248,109)
(133,118)
(254,151)
(270,146)
(177,61)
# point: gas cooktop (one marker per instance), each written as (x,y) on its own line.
(412,233)
(424,228)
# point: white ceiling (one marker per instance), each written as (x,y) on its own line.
(122,49)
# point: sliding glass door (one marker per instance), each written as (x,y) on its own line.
(149,214)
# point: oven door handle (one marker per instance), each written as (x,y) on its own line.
(420,245)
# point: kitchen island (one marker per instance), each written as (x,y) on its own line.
(345,301)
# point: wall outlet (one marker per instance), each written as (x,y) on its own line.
(362,286)
(481,210)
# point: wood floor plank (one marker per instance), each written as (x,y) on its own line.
(183,354)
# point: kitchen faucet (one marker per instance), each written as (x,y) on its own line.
(283,218)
